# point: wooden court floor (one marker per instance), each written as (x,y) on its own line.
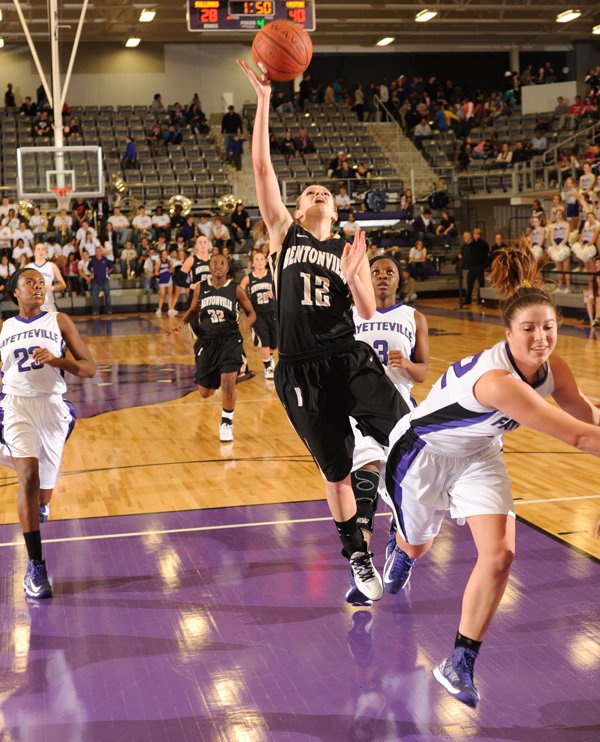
(150,445)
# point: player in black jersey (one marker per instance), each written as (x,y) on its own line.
(324,375)
(259,285)
(219,354)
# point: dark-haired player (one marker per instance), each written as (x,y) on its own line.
(259,285)
(36,421)
(219,351)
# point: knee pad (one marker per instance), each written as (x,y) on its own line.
(364,485)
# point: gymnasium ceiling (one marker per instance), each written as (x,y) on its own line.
(341,24)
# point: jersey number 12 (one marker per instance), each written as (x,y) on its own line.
(321,291)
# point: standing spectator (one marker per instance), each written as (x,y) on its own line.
(130,157)
(240,224)
(236,148)
(359,102)
(475,258)
(305,90)
(9,97)
(231,124)
(100,268)
(157,106)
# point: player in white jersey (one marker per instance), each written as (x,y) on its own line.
(35,420)
(399,335)
(53,278)
(447,453)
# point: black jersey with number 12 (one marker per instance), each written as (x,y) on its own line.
(313,299)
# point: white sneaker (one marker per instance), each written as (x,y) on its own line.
(158,313)
(367,578)
(172,312)
(269,372)
(225,432)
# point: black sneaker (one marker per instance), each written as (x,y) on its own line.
(36,583)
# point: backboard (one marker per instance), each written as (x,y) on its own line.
(40,169)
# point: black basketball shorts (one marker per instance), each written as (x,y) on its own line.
(321,394)
(218,356)
(264,330)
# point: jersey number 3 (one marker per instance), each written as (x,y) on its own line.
(321,291)
(22,356)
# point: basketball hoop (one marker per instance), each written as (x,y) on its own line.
(63,197)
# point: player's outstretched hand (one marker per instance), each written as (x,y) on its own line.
(353,255)
(261,85)
(177,329)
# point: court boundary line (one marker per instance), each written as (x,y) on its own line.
(232,526)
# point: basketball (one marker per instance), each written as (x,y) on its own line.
(282,50)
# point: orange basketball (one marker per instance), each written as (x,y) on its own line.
(282,50)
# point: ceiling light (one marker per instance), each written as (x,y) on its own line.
(0,15)
(425,15)
(1,42)
(567,15)
(596,30)
(385,41)
(147,15)
(132,42)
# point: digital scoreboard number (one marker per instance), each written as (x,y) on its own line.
(248,15)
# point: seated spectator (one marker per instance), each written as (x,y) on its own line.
(288,145)
(446,227)
(503,158)
(130,158)
(421,131)
(499,244)
(142,226)
(304,143)
(70,272)
(221,236)
(408,287)
(205,227)
(23,233)
(342,199)
(19,249)
(120,224)
(5,238)
(274,144)
(172,135)
(538,143)
(81,233)
(520,153)
(157,105)
(155,140)
(197,119)
(417,259)
(481,151)
(177,115)
(424,227)
(465,153)
(336,163)
(281,104)
(90,242)
(406,205)
(560,112)
(362,172)
(161,223)
(344,172)
(439,119)
(72,131)
(41,126)
(28,107)
(189,231)
(351,226)
(63,226)
(574,112)
(240,224)
(12,220)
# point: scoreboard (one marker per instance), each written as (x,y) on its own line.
(248,15)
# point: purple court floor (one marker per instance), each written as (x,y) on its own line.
(230,625)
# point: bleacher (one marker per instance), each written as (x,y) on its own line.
(192,168)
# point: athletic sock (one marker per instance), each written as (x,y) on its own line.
(351,536)
(33,542)
(464,641)
(267,363)
(227,417)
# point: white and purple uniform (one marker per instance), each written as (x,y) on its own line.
(447,453)
(47,271)
(36,420)
(393,328)
(164,273)
(559,249)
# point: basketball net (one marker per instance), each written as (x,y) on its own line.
(63,197)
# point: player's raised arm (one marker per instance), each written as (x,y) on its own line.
(272,209)
(357,273)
